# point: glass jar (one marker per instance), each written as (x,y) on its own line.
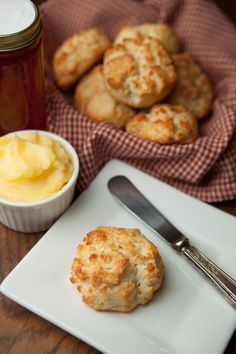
(21,67)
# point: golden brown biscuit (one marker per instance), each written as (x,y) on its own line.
(93,99)
(163,32)
(165,124)
(139,72)
(193,88)
(78,54)
(116,269)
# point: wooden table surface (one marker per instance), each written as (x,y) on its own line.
(22,332)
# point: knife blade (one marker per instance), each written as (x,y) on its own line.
(135,202)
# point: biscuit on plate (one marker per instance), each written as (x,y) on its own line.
(93,99)
(78,54)
(163,32)
(193,89)
(139,72)
(116,269)
(165,124)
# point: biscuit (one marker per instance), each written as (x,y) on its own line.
(165,124)
(193,89)
(93,99)
(116,269)
(163,32)
(139,72)
(78,54)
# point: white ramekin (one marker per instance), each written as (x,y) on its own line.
(40,215)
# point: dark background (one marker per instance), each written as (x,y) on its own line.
(229,8)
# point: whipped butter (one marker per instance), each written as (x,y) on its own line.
(32,167)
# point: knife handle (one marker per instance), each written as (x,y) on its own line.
(219,278)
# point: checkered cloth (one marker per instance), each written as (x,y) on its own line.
(206,168)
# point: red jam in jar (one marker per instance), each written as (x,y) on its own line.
(21,68)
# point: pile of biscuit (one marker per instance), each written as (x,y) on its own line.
(144,85)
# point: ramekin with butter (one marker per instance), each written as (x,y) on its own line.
(38,173)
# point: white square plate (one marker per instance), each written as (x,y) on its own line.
(187,315)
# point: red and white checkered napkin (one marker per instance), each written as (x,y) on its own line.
(206,168)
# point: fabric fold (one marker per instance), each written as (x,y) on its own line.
(206,168)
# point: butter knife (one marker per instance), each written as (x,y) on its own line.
(133,200)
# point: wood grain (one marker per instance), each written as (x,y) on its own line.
(22,332)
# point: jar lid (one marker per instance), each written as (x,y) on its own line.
(20,24)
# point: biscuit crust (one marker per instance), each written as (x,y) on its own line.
(116,269)
(163,32)
(165,124)
(93,99)
(139,72)
(78,54)
(193,89)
